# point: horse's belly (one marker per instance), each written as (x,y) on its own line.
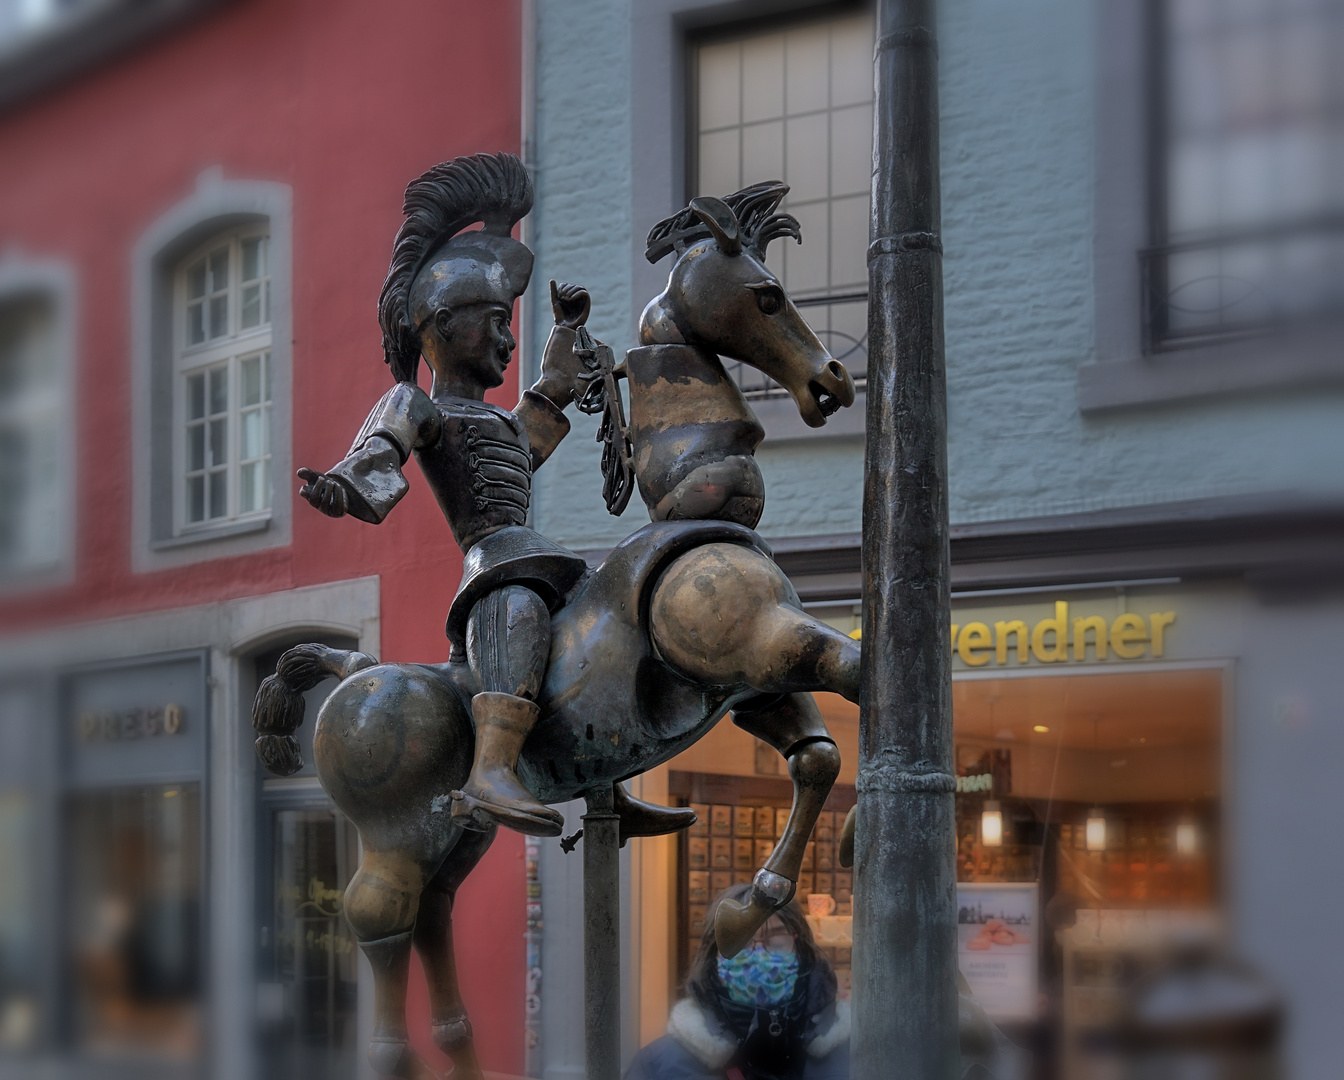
(612,710)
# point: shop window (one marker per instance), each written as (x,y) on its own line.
(134,918)
(1248,214)
(32,405)
(224,385)
(307,959)
(1088,811)
(796,104)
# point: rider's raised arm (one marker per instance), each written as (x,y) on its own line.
(371,473)
(541,409)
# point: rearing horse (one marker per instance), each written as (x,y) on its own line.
(686,620)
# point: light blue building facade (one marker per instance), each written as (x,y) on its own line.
(1146,414)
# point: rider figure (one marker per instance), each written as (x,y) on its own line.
(449,297)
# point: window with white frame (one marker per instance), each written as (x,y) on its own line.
(223,382)
(795,103)
(32,411)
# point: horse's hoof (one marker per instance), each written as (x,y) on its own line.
(736,924)
(394,1059)
(451,1035)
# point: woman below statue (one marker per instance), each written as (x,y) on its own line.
(769,1013)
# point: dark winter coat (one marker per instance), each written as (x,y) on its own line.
(705,1041)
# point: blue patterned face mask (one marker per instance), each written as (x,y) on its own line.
(759,977)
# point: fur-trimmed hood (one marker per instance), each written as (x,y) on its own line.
(703,1037)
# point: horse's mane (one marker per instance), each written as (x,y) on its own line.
(756,217)
(493,189)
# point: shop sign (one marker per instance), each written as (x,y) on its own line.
(132,723)
(136,723)
(997,946)
(1061,638)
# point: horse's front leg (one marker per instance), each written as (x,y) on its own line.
(793,725)
(434,943)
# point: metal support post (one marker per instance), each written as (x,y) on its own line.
(904,974)
(602,935)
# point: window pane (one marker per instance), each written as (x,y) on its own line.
(252,258)
(720,75)
(763,78)
(219,270)
(249,487)
(219,444)
(195,396)
(250,436)
(195,324)
(719,172)
(219,316)
(266,301)
(266,361)
(219,494)
(250,309)
(196,280)
(134,915)
(219,390)
(195,447)
(196,498)
(249,377)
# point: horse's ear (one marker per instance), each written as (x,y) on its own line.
(722,222)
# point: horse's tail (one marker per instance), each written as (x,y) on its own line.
(278,710)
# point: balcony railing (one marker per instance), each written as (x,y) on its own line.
(1216,288)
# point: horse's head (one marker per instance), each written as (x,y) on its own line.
(722,297)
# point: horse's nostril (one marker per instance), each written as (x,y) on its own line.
(837,370)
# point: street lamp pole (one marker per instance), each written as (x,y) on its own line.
(904,969)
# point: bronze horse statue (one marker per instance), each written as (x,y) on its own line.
(686,620)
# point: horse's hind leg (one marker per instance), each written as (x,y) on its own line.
(793,725)
(434,943)
(725,614)
(381,903)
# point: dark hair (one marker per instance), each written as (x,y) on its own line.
(493,189)
(702,981)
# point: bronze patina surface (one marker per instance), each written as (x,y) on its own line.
(563,681)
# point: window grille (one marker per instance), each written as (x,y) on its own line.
(796,103)
(224,382)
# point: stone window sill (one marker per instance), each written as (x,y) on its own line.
(221,532)
(1285,360)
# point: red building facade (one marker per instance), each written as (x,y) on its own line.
(193,233)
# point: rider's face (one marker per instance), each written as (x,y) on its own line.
(479,342)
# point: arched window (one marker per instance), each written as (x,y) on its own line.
(36,312)
(223,379)
(212,375)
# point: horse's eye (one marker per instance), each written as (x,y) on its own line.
(770,300)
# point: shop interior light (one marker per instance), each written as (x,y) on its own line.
(1096,829)
(1040,729)
(1187,837)
(991,824)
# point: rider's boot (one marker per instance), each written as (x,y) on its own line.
(639,818)
(493,793)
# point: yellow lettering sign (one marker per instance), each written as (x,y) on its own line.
(1128,637)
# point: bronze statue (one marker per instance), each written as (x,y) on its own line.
(563,679)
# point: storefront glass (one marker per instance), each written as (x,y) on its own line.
(1089,808)
(308,993)
(134,920)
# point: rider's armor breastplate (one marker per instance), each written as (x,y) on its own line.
(480,469)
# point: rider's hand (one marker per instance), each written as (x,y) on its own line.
(326,493)
(571,304)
